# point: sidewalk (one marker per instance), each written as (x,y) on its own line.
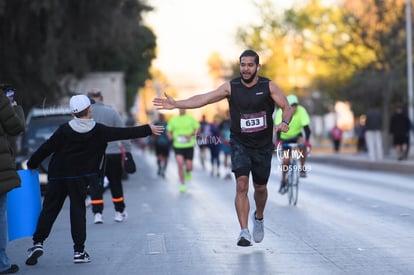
(349,157)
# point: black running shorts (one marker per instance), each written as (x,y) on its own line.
(187,153)
(258,161)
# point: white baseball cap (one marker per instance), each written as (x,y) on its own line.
(78,103)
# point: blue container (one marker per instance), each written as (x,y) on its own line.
(24,205)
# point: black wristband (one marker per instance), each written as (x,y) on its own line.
(285,122)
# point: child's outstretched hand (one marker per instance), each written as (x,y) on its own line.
(157,129)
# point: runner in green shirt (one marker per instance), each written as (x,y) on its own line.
(182,131)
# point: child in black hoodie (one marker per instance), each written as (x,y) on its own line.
(78,148)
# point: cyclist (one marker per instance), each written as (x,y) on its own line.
(300,121)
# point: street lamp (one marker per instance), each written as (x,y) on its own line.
(409,60)
(409,65)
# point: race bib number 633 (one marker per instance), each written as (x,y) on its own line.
(250,123)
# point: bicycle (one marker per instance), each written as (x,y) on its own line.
(293,170)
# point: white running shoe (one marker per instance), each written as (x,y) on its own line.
(120,217)
(258,228)
(244,238)
(98,218)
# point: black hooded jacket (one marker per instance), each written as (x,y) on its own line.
(78,154)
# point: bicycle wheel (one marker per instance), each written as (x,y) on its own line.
(288,182)
(293,185)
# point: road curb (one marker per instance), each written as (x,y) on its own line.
(403,167)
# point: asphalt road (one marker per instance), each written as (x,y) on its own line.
(347,221)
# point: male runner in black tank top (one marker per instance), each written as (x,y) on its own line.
(252,101)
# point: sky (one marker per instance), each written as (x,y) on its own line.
(188,31)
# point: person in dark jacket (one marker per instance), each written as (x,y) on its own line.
(373,134)
(400,130)
(162,145)
(77,148)
(11,125)
(112,169)
(336,137)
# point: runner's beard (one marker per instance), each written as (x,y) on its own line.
(250,79)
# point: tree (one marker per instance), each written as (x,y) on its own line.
(344,52)
(381,28)
(218,69)
(45,40)
(268,38)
